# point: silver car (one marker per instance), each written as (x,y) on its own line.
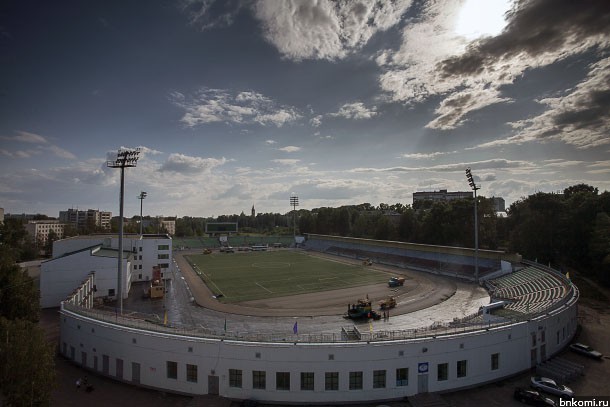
(550,386)
(586,350)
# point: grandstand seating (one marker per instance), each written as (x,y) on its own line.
(530,289)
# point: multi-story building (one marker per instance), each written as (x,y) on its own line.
(85,219)
(441,195)
(499,204)
(167,225)
(40,229)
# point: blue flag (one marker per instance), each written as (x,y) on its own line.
(295,328)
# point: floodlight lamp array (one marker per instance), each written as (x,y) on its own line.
(125,158)
(294,200)
(142,195)
(471,180)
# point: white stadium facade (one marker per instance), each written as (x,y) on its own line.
(538,319)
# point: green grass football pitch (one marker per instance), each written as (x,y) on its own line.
(256,275)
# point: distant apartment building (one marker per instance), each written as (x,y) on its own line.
(85,219)
(498,203)
(161,224)
(441,195)
(40,229)
(1,215)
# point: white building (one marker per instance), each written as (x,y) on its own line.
(40,229)
(76,257)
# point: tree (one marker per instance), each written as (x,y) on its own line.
(27,372)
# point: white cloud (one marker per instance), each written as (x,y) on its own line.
(356,111)
(218,105)
(290,149)
(185,164)
(286,161)
(323,29)
(426,156)
(469,75)
(42,146)
(580,118)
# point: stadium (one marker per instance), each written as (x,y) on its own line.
(269,326)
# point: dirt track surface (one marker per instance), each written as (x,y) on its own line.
(420,291)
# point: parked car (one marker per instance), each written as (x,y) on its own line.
(550,386)
(586,350)
(533,398)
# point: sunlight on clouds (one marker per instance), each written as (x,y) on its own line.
(481,18)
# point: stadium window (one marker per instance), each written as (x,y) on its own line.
(495,361)
(331,381)
(163,247)
(442,372)
(111,292)
(163,256)
(172,370)
(282,380)
(307,380)
(402,377)
(557,337)
(379,379)
(191,373)
(140,250)
(355,380)
(461,368)
(235,378)
(259,379)
(164,265)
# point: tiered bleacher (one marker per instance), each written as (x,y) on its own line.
(399,258)
(528,290)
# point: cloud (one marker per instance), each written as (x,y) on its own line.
(426,156)
(316,121)
(290,149)
(218,105)
(271,142)
(355,111)
(324,29)
(469,75)
(580,118)
(498,163)
(286,161)
(209,14)
(41,143)
(185,164)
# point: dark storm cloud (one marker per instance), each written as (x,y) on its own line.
(536,28)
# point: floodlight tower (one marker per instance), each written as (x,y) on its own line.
(125,158)
(475,187)
(141,197)
(294,201)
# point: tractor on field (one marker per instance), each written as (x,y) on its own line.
(396,282)
(361,310)
(387,303)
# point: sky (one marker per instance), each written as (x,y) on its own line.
(241,103)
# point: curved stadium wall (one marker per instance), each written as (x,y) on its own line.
(316,368)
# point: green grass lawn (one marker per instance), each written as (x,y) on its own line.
(255,275)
